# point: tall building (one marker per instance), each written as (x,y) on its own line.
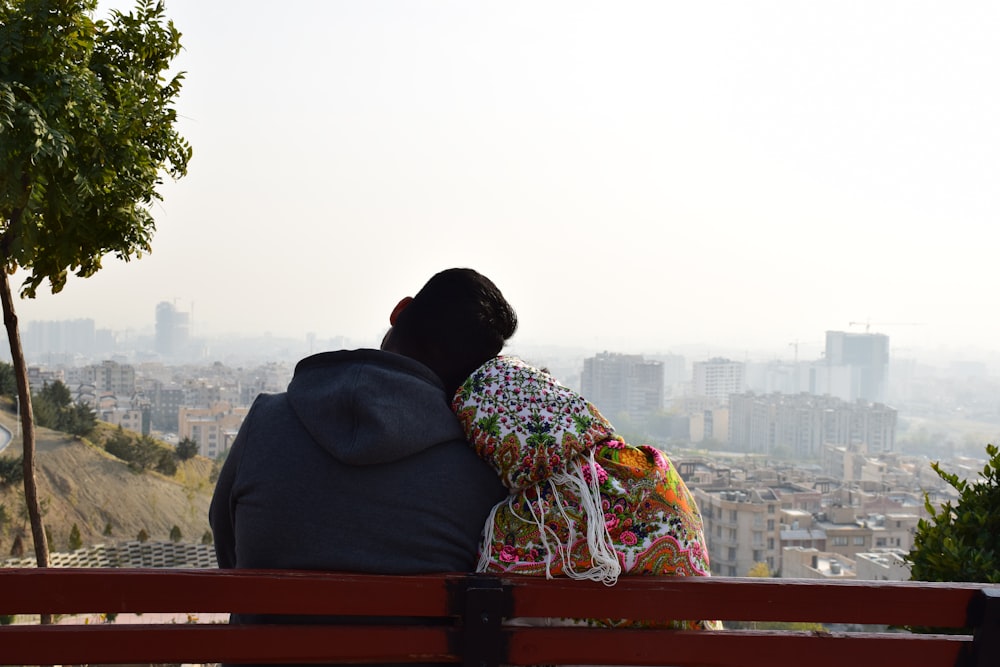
(618,383)
(867,357)
(171,330)
(718,378)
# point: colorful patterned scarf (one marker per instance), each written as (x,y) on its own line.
(583,503)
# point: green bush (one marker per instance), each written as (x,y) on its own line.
(961,542)
(11,470)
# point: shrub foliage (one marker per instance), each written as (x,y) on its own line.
(961,542)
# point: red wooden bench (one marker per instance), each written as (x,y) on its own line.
(470,608)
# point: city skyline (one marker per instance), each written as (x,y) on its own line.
(636,177)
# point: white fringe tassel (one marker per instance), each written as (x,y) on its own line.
(605,566)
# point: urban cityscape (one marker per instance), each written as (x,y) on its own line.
(810,468)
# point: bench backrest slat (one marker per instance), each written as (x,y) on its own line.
(92,590)
(460,619)
(183,643)
(858,602)
(724,649)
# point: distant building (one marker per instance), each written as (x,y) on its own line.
(674,373)
(717,378)
(623,383)
(172,330)
(882,565)
(803,424)
(108,376)
(213,428)
(866,356)
(846,534)
(164,400)
(806,563)
(711,424)
(60,339)
(741,528)
(797,530)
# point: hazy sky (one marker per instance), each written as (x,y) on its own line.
(635,176)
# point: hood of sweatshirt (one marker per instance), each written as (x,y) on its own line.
(370,407)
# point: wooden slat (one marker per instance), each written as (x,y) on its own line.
(111,644)
(98,590)
(860,602)
(573,646)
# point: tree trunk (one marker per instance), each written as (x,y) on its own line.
(27,427)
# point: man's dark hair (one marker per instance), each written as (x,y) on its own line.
(455,323)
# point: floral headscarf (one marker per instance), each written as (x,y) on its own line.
(583,503)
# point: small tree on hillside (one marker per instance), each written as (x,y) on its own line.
(961,542)
(186,449)
(11,470)
(17,547)
(75,540)
(86,128)
(175,534)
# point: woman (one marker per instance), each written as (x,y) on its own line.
(583,503)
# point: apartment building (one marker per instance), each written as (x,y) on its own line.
(623,383)
(718,378)
(803,424)
(741,527)
(213,428)
(845,533)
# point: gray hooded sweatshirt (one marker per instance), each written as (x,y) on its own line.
(360,466)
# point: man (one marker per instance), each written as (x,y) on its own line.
(361,465)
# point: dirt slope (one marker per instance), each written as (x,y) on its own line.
(83,484)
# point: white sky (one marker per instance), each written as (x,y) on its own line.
(635,176)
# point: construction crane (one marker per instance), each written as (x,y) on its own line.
(868,323)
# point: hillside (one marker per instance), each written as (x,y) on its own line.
(81,483)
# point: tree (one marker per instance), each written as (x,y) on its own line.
(186,449)
(17,548)
(120,445)
(175,534)
(58,394)
(143,536)
(8,385)
(166,462)
(961,542)
(87,126)
(75,541)
(78,419)
(54,408)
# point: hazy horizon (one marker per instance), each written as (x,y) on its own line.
(635,176)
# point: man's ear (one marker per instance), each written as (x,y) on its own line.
(400,307)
